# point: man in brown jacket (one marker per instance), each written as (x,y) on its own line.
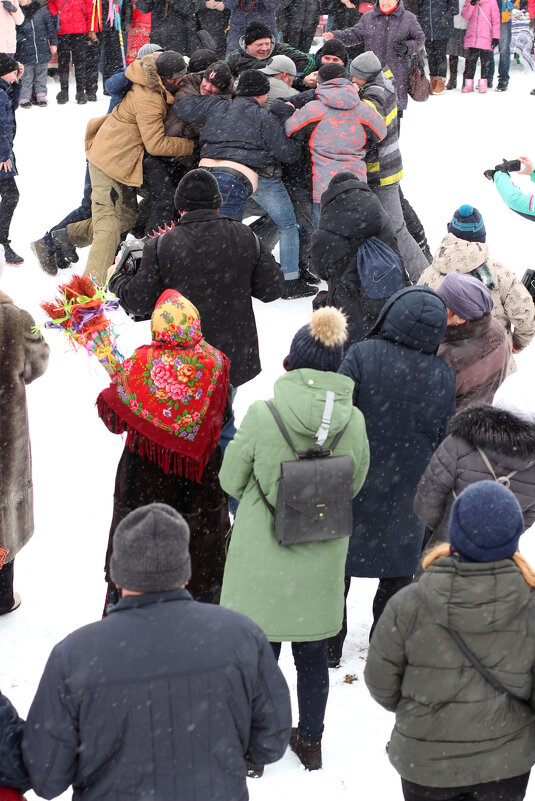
(115,146)
(24,357)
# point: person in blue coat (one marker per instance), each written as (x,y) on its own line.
(10,74)
(37,41)
(436,21)
(13,773)
(407,395)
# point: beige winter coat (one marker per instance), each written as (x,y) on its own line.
(116,143)
(513,306)
(24,356)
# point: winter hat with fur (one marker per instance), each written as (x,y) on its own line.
(330,71)
(467,223)
(365,66)
(151,550)
(486,522)
(252,83)
(255,31)
(198,189)
(320,344)
(171,65)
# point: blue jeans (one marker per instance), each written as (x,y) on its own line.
(273,197)
(312,684)
(234,193)
(316,214)
(505,55)
(227,435)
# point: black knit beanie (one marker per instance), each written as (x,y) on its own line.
(201,59)
(220,75)
(171,65)
(7,64)
(198,189)
(330,71)
(255,31)
(334,47)
(253,83)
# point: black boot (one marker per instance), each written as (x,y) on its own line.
(11,256)
(64,245)
(452,82)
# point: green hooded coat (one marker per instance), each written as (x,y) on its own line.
(295,592)
(453,728)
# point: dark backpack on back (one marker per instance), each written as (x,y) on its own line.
(380,272)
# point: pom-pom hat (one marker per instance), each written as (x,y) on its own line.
(319,345)
(467,223)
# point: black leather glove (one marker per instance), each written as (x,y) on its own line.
(489,174)
(495,43)
(401,48)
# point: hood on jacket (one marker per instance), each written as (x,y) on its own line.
(300,397)
(338,93)
(476,597)
(145,73)
(413,318)
(243,49)
(487,427)
(459,256)
(348,206)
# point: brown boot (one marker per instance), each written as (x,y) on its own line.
(309,752)
(439,89)
(452,83)
(433,82)
(254,771)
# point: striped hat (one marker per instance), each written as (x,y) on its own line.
(467,223)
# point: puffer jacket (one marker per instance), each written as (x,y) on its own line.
(35,36)
(396,374)
(13,772)
(484,21)
(508,443)
(117,142)
(338,128)
(293,592)
(9,101)
(452,727)
(74,15)
(513,306)
(383,161)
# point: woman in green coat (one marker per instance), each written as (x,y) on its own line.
(462,735)
(294,593)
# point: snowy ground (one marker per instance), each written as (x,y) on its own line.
(447,142)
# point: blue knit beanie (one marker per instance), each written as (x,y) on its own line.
(486,522)
(467,223)
(320,344)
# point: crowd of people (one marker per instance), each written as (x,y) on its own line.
(389,449)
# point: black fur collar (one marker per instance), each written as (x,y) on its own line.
(488,427)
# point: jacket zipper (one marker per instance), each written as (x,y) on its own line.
(35,44)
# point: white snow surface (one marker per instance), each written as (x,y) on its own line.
(446,144)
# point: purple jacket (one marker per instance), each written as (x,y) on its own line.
(483,24)
(379,31)
(340,127)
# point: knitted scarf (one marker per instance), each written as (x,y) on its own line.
(169,397)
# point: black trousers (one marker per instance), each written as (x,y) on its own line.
(436,56)
(106,52)
(75,43)
(160,179)
(471,60)
(503,790)
(10,197)
(6,587)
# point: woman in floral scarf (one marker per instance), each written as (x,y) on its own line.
(170,399)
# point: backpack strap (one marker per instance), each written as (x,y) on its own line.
(474,661)
(300,454)
(505,480)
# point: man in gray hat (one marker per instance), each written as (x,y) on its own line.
(281,72)
(165,698)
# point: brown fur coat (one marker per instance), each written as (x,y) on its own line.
(24,356)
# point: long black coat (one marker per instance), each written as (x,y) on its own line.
(173,23)
(165,698)
(350,213)
(406,394)
(509,444)
(214,262)
(13,772)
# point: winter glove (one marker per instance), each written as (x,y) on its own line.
(513,165)
(495,43)
(489,174)
(9,6)
(401,48)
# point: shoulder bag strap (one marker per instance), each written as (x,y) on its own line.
(474,661)
(505,480)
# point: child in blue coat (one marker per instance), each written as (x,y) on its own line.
(36,42)
(10,74)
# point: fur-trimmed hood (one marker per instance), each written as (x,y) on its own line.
(484,426)
(145,73)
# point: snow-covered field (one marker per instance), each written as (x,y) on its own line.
(446,142)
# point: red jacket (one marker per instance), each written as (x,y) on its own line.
(75,15)
(531,8)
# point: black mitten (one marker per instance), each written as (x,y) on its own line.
(489,174)
(401,48)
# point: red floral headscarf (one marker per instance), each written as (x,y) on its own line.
(170,396)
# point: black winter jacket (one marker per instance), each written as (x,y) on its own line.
(240,60)
(173,23)
(350,213)
(165,699)
(239,131)
(215,263)
(12,770)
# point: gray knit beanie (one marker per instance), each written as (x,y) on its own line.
(151,550)
(148,49)
(365,66)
